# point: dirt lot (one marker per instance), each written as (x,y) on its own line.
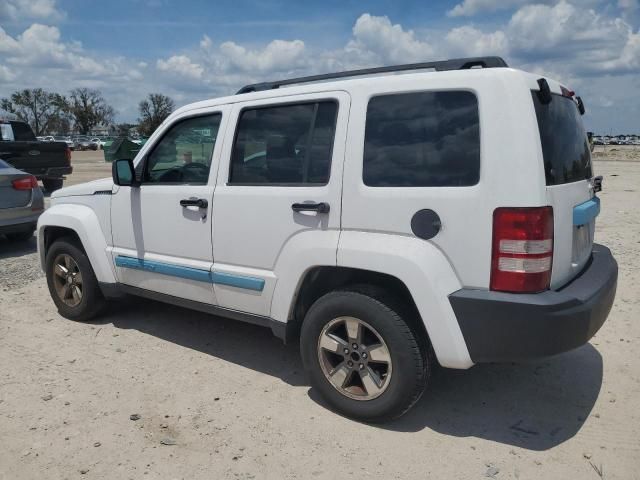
(232,402)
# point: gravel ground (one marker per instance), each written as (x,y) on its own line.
(158,392)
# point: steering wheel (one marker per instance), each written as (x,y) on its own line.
(195,171)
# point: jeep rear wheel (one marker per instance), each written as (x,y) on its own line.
(72,283)
(363,356)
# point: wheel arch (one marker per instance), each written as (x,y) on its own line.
(418,272)
(320,280)
(80,223)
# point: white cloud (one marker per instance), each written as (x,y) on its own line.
(469,8)
(580,46)
(7,43)
(376,39)
(39,58)
(278,55)
(30,9)
(206,42)
(6,75)
(578,40)
(181,65)
(469,41)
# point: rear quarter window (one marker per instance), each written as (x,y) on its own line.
(22,132)
(422,139)
(565,146)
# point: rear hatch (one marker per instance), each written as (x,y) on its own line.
(568,172)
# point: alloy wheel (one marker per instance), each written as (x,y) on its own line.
(67,280)
(354,358)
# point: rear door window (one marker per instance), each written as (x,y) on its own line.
(284,144)
(22,132)
(422,139)
(565,146)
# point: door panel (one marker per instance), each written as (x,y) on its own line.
(278,157)
(159,243)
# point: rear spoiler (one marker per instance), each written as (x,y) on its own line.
(545,96)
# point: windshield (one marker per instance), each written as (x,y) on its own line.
(565,148)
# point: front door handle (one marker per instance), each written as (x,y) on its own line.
(321,207)
(194,202)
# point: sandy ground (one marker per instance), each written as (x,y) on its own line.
(232,402)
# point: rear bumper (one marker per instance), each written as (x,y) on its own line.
(19,227)
(501,327)
(53,172)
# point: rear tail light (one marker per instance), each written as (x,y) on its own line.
(67,155)
(27,183)
(522,252)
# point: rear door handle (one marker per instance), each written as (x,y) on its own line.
(194,202)
(321,207)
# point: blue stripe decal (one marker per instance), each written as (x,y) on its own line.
(240,281)
(190,273)
(586,212)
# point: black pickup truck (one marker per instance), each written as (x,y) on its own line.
(47,161)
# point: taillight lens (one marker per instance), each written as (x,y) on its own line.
(522,252)
(27,183)
(67,155)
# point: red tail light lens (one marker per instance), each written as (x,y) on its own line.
(67,155)
(522,252)
(28,183)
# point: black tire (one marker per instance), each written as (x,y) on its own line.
(52,184)
(20,236)
(92,302)
(408,349)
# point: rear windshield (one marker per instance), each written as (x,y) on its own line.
(565,148)
(4,165)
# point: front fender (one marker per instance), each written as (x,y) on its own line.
(428,275)
(84,222)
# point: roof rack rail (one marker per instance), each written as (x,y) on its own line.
(442,65)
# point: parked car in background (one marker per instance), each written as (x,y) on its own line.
(70,143)
(46,138)
(82,143)
(48,161)
(21,203)
(94,143)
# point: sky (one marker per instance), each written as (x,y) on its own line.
(197,49)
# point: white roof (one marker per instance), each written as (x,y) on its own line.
(354,83)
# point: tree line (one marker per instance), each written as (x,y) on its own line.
(81,110)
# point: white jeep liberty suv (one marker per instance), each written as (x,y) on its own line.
(386,219)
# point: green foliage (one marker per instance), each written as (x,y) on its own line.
(89,109)
(43,110)
(153,111)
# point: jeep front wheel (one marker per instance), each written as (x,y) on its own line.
(72,283)
(363,356)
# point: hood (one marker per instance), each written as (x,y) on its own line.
(89,188)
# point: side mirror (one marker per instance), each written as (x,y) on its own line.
(123,173)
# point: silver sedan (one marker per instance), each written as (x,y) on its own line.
(21,203)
